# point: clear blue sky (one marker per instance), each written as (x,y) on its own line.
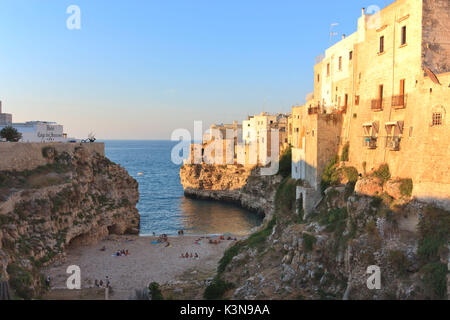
(139,69)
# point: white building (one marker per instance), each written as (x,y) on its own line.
(34,131)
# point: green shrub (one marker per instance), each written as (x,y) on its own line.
(21,281)
(435,279)
(398,260)
(155,291)
(48,152)
(257,239)
(434,229)
(351,174)
(345,152)
(217,289)
(285,196)
(285,169)
(383,172)
(228,255)
(308,242)
(406,187)
(330,175)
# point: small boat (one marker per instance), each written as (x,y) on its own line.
(140,174)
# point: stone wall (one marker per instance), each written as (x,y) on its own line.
(28,156)
(436,35)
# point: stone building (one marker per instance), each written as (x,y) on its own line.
(269,133)
(5,118)
(388,88)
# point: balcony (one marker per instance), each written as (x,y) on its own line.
(393,143)
(377,105)
(370,142)
(313,110)
(398,102)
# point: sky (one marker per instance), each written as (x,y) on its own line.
(139,69)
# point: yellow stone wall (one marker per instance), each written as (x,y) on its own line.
(424,152)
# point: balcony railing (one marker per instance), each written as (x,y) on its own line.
(370,142)
(398,102)
(377,104)
(314,110)
(393,143)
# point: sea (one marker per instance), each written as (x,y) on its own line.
(163,207)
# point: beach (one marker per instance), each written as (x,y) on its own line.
(146,262)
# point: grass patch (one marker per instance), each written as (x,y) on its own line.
(21,281)
(435,279)
(256,240)
(406,187)
(383,173)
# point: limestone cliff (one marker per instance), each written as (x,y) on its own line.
(231,183)
(327,255)
(76,198)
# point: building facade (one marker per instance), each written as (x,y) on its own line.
(34,131)
(388,85)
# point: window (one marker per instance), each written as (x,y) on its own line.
(340,63)
(350,55)
(403,35)
(381,44)
(357,100)
(328,69)
(437,119)
(402,87)
(380,92)
(318,77)
(346,100)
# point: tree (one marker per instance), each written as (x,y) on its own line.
(10,134)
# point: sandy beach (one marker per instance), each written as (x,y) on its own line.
(147,262)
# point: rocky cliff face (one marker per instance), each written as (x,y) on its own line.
(328,255)
(76,198)
(231,183)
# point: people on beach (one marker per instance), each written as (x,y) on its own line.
(181,232)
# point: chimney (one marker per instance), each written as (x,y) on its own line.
(343,36)
(363,11)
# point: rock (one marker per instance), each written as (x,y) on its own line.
(369,186)
(392,188)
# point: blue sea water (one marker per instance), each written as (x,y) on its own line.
(162,206)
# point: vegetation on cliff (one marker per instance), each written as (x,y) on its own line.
(325,256)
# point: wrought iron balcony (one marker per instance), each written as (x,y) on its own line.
(393,143)
(377,104)
(370,142)
(398,102)
(314,110)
